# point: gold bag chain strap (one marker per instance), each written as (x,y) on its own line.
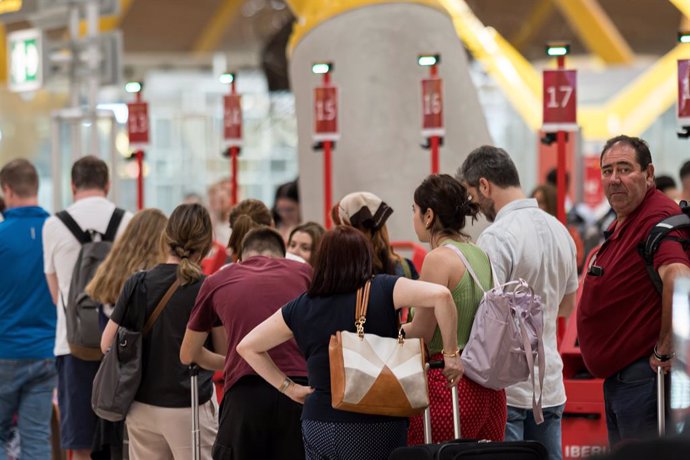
(161,305)
(361,308)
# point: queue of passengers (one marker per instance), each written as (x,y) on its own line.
(266,320)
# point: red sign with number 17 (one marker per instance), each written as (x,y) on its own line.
(560,100)
(138,123)
(432,107)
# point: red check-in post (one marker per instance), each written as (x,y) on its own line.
(560,116)
(232,132)
(432,109)
(326,131)
(138,130)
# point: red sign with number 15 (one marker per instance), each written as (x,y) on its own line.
(560,100)
(326,114)
(138,122)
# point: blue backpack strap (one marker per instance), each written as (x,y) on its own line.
(73,227)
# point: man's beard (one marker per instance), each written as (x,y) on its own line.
(487,206)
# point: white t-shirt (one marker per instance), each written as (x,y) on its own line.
(526,242)
(61,249)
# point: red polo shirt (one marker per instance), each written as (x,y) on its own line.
(243,295)
(619,314)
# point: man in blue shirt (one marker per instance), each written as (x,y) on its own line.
(27,316)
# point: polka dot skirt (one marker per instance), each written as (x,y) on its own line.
(483,412)
(352,441)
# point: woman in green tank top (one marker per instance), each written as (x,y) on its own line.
(441,208)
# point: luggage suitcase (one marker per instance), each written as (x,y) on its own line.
(466,449)
(196,436)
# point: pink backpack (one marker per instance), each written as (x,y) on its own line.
(506,337)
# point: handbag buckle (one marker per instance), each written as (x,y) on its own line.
(359,324)
(401,336)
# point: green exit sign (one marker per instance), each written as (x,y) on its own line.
(25,54)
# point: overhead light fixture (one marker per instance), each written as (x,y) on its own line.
(321,68)
(684,37)
(428,60)
(133,87)
(557,49)
(227,78)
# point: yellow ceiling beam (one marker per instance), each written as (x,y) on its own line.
(633,109)
(683,6)
(538,16)
(514,74)
(214,30)
(311,13)
(591,23)
(108,23)
(3,53)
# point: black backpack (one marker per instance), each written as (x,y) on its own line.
(81,311)
(659,233)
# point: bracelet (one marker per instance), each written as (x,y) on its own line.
(451,355)
(284,386)
(663,358)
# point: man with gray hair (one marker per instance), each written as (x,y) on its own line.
(27,316)
(525,242)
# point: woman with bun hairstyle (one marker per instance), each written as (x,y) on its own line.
(247,215)
(441,209)
(159,420)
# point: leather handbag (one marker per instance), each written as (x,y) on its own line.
(377,375)
(119,375)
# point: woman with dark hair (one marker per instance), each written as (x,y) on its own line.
(344,265)
(368,213)
(286,209)
(304,241)
(159,419)
(441,208)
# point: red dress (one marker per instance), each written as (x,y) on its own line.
(483,412)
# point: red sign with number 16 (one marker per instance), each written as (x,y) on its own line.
(138,122)
(432,107)
(560,100)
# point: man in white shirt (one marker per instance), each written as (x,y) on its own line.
(525,242)
(91,211)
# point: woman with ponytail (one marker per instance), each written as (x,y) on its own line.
(441,208)
(159,419)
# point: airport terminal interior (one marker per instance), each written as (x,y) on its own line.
(218,101)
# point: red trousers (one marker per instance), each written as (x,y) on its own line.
(483,412)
